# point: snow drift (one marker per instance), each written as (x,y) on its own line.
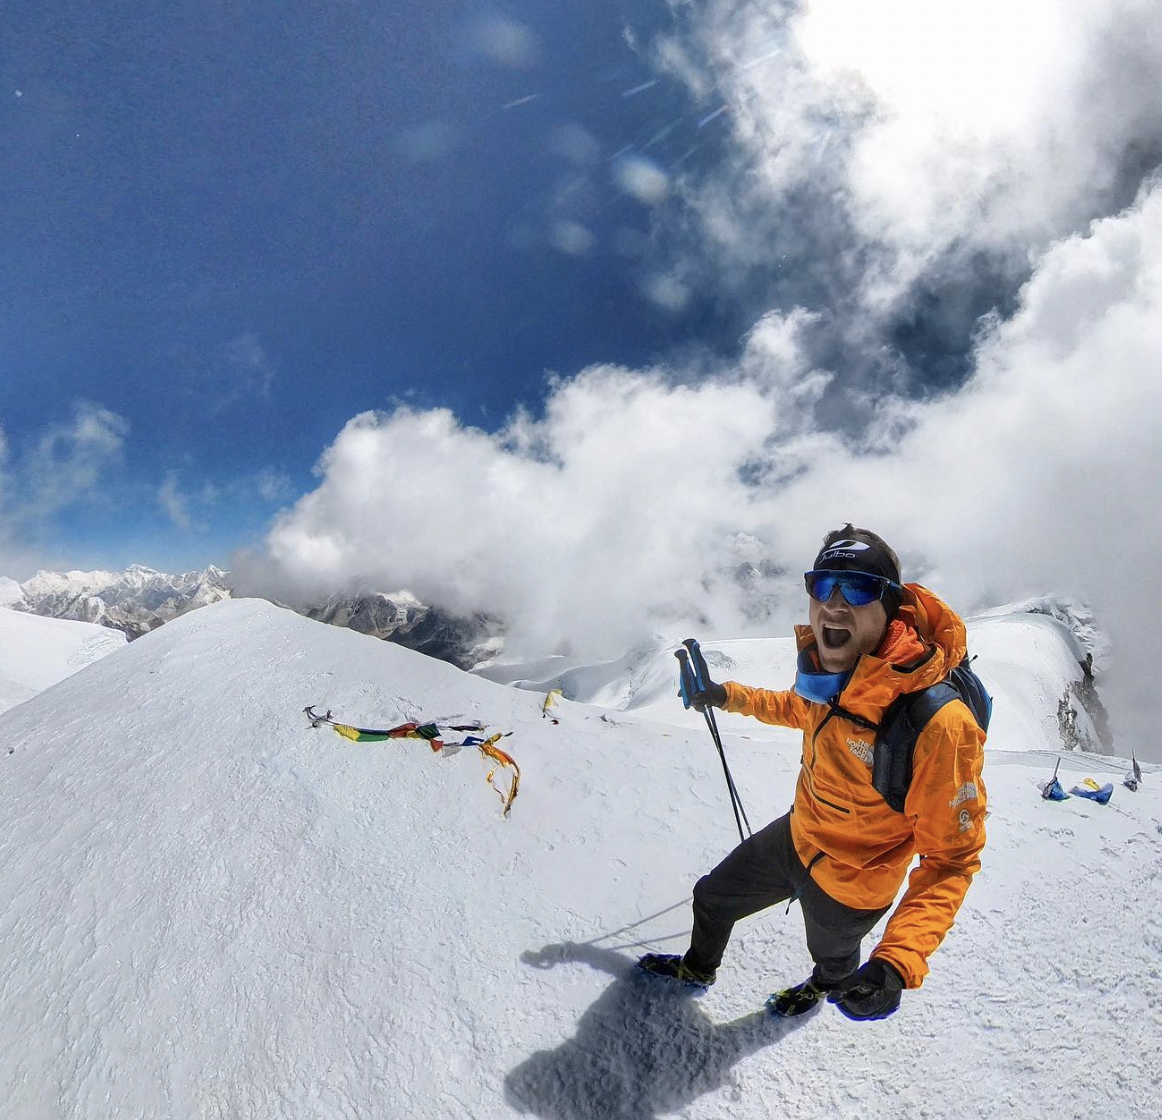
(36,653)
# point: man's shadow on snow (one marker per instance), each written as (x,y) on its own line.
(644,1048)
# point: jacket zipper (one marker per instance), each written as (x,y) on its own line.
(835,710)
(815,738)
(831,803)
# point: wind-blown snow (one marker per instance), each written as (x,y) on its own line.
(38,652)
(211,909)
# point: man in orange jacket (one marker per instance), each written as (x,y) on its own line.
(842,851)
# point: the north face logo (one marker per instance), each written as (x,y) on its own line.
(865,752)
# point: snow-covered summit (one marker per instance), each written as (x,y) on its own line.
(11,593)
(211,908)
(136,600)
(1076,618)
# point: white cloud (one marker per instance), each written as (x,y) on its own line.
(577,527)
(641,177)
(272,485)
(233,372)
(575,143)
(66,464)
(175,503)
(186,509)
(504,42)
(69,459)
(570,237)
(248,366)
(665,292)
(926,129)
(625,508)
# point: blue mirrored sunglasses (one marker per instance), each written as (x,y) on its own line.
(858,588)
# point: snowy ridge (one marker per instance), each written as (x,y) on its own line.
(211,909)
(1028,655)
(36,653)
(1077,619)
(400,617)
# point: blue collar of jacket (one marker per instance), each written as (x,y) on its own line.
(820,688)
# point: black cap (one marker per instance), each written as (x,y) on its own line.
(860,550)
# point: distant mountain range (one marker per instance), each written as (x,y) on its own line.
(401,618)
(133,601)
(140,599)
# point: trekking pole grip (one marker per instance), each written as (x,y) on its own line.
(686,685)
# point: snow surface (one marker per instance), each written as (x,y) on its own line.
(211,909)
(38,652)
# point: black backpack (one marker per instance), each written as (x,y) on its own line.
(908,715)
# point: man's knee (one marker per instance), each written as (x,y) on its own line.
(717,896)
(705,895)
(835,933)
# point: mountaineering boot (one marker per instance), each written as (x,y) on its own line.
(671,967)
(799,999)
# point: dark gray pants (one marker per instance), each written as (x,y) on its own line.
(762,871)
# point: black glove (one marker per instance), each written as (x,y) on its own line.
(712,696)
(872,991)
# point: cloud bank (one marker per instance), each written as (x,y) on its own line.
(895,173)
(897,164)
(628,508)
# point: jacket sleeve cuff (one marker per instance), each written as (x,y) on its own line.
(907,966)
(735,697)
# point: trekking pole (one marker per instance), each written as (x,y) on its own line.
(701,679)
(693,677)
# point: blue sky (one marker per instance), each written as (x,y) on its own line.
(572,312)
(236,226)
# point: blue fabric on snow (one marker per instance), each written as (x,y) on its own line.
(821,688)
(1054,792)
(1099,795)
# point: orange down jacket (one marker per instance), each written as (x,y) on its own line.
(860,846)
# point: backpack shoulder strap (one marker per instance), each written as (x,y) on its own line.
(904,720)
(970,688)
(923,705)
(907,716)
